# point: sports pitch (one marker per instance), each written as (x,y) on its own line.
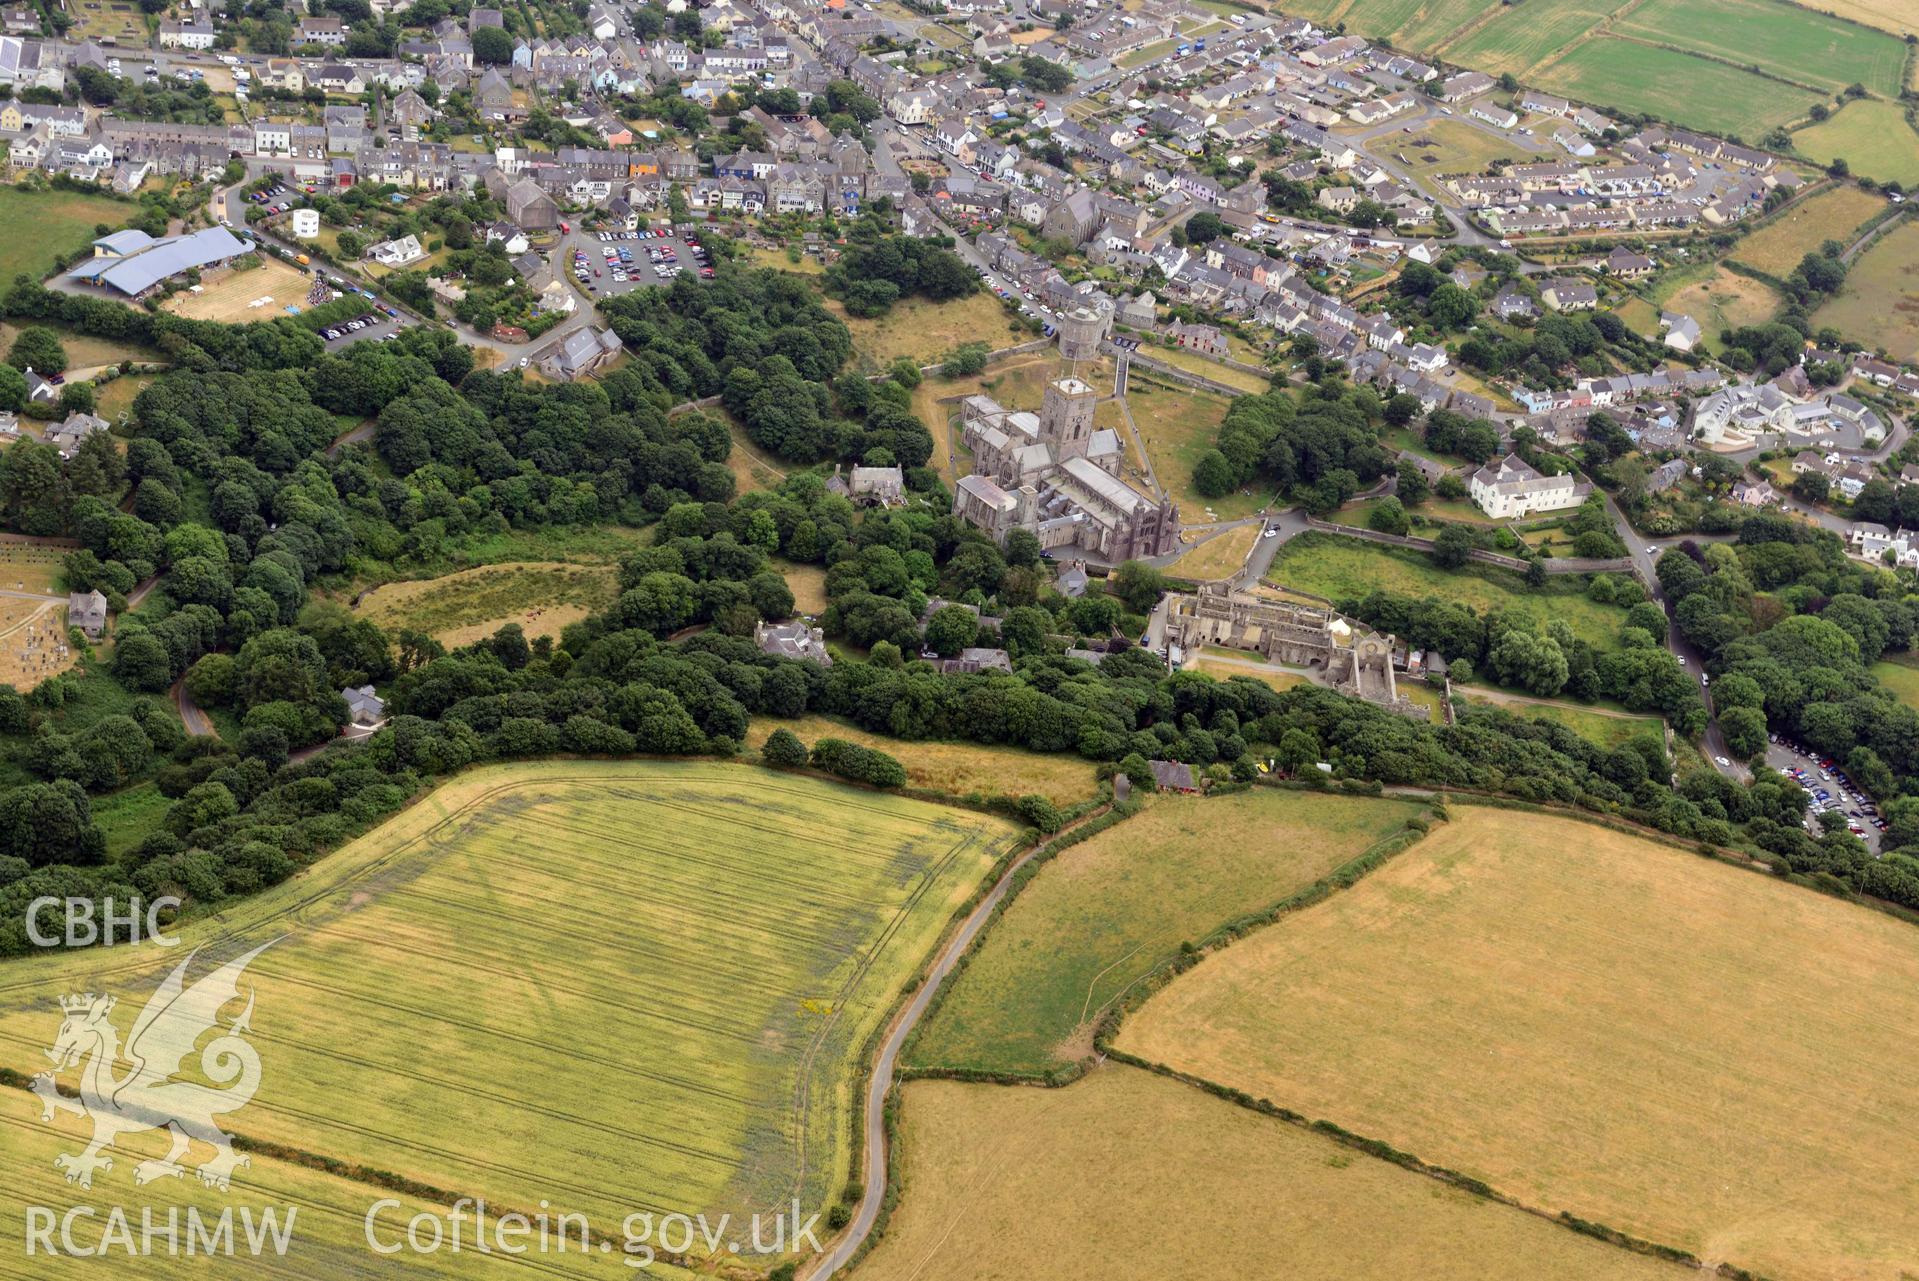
(1597,1024)
(613,987)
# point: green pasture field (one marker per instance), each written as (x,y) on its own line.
(1342,568)
(613,986)
(1107,911)
(1520,38)
(1611,72)
(1783,40)
(1879,305)
(1874,138)
(1835,214)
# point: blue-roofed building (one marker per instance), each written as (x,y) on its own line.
(132,263)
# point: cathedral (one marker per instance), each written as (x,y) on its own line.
(1056,475)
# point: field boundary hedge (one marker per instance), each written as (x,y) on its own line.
(1099,821)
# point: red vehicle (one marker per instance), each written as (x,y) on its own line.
(565,229)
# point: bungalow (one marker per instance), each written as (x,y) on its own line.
(1564,294)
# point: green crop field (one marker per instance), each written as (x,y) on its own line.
(1731,66)
(1103,913)
(41,224)
(1879,305)
(1874,139)
(1781,40)
(1519,38)
(1343,568)
(614,986)
(1625,75)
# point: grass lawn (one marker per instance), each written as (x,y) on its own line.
(1104,913)
(1874,138)
(1342,568)
(31,567)
(1899,674)
(41,224)
(1595,1023)
(1612,72)
(1879,305)
(1593,726)
(460,608)
(1146,53)
(447,1002)
(996,1178)
(1778,247)
(1194,363)
(1454,146)
(1178,425)
(115,399)
(957,769)
(231,298)
(927,330)
(1217,666)
(576,544)
(1722,300)
(777,259)
(806,582)
(1219,557)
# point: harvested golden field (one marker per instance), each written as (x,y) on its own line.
(1896,16)
(458,609)
(1103,914)
(1219,557)
(1128,1176)
(957,769)
(1594,1023)
(1779,246)
(614,985)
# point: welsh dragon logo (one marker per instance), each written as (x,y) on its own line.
(147,1097)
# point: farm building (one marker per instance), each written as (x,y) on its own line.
(133,264)
(1173,776)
